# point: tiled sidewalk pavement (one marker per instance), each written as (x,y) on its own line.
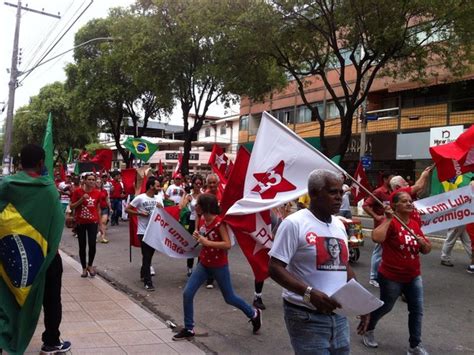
(99,319)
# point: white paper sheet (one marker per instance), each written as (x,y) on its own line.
(355,300)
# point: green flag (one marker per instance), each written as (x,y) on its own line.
(49,147)
(452,184)
(69,156)
(141,148)
(31,224)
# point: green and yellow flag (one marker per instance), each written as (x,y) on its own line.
(449,185)
(48,147)
(141,148)
(31,225)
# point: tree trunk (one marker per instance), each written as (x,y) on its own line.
(187,149)
(346,133)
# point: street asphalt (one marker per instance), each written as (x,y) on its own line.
(448,324)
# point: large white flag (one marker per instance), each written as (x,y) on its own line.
(279,167)
(165,234)
(448,210)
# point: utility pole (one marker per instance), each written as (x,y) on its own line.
(14,73)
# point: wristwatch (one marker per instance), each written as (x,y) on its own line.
(307,295)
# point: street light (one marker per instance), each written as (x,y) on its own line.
(14,75)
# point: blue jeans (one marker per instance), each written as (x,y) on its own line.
(222,276)
(413,291)
(313,333)
(116,204)
(375,261)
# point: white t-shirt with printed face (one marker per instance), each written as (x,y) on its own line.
(175,193)
(314,251)
(143,203)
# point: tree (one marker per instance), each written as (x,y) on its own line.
(68,132)
(311,40)
(194,42)
(108,85)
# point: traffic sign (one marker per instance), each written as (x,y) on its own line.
(366,161)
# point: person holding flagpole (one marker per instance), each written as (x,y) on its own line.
(215,241)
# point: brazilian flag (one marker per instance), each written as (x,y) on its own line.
(141,148)
(31,225)
(449,185)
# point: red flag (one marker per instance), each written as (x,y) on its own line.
(128,180)
(143,187)
(456,158)
(62,173)
(103,157)
(160,168)
(177,170)
(360,176)
(228,171)
(252,231)
(219,163)
(132,229)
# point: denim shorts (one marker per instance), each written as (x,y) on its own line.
(104,211)
(315,333)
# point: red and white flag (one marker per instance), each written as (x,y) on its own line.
(252,231)
(456,158)
(219,163)
(278,169)
(177,170)
(160,168)
(357,192)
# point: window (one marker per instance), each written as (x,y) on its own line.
(207,132)
(223,129)
(333,111)
(244,123)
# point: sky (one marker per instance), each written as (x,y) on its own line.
(38,33)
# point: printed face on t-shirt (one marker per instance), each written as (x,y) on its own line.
(331,254)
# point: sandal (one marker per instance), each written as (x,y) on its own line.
(84,273)
(91,271)
(104,241)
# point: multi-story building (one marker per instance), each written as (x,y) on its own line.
(402,113)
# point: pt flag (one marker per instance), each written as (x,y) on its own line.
(357,192)
(48,147)
(141,148)
(278,169)
(252,231)
(103,157)
(456,158)
(219,163)
(29,239)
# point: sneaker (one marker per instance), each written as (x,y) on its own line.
(149,286)
(256,321)
(368,338)
(152,271)
(470,269)
(258,303)
(447,263)
(63,347)
(183,334)
(210,286)
(189,273)
(374,283)
(418,350)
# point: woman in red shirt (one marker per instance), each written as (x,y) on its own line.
(85,201)
(213,262)
(104,204)
(399,272)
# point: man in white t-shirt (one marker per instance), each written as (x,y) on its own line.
(175,191)
(143,206)
(309,258)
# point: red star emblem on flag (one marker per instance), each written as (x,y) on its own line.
(272,182)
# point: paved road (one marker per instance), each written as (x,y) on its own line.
(448,321)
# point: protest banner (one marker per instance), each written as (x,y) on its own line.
(448,210)
(166,235)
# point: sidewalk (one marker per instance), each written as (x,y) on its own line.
(99,319)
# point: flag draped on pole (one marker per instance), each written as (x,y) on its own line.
(103,157)
(141,148)
(360,176)
(160,168)
(29,239)
(252,231)
(177,170)
(48,146)
(279,167)
(128,179)
(219,163)
(456,158)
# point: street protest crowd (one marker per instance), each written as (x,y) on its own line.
(291,222)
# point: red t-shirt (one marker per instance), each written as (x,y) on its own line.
(383,194)
(117,189)
(87,211)
(400,255)
(212,257)
(103,198)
